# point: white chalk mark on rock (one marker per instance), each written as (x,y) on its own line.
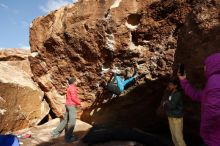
(2,111)
(116,4)
(110,43)
(132,27)
(34,54)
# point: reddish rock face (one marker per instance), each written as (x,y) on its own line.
(21,101)
(87,37)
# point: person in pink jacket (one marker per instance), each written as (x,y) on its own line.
(209,98)
(69,120)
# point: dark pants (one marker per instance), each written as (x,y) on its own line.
(69,121)
(113,88)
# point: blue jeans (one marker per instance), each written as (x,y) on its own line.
(69,121)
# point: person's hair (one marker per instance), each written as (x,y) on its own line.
(71,80)
(176,82)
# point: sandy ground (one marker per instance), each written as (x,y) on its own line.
(40,135)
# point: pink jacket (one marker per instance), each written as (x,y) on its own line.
(210,101)
(71,96)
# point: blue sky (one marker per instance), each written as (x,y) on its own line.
(16,16)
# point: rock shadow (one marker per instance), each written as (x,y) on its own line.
(136,108)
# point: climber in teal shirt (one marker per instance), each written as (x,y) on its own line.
(118,87)
(122,83)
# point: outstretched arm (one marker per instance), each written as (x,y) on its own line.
(190,91)
(128,81)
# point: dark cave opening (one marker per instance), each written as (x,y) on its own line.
(134,19)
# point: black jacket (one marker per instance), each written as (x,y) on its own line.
(174,104)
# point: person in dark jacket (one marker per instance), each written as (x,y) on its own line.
(173,105)
(69,120)
(209,98)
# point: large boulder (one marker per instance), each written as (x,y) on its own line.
(88,37)
(18,58)
(76,40)
(21,100)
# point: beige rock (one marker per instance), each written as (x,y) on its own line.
(14,54)
(56,102)
(22,102)
(17,58)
